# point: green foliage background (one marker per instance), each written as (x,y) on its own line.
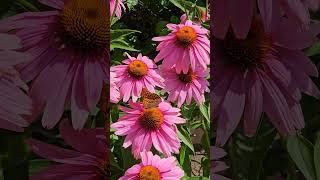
(132,33)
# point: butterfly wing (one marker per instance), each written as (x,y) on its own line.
(150,100)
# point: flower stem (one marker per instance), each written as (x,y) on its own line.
(114,10)
(16,165)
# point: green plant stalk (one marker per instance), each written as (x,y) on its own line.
(114,10)
(16,165)
(207,145)
(207,7)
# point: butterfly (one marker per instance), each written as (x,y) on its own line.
(150,100)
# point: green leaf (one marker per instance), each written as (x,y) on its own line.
(114,20)
(131,3)
(121,33)
(313,50)
(27,5)
(187,162)
(205,139)
(182,154)
(189,7)
(317,157)
(302,155)
(38,165)
(182,4)
(248,153)
(118,39)
(205,112)
(120,44)
(185,138)
(161,28)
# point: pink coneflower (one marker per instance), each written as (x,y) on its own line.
(266,72)
(69,47)
(186,45)
(236,14)
(217,166)
(88,160)
(136,73)
(14,103)
(297,10)
(152,126)
(155,168)
(185,86)
(119,7)
(114,90)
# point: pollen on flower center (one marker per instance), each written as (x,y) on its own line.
(247,52)
(149,173)
(151,119)
(186,36)
(84,25)
(137,69)
(186,78)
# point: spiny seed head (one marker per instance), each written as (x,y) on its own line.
(84,25)
(149,173)
(186,78)
(186,36)
(137,69)
(151,119)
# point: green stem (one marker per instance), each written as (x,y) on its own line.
(114,10)
(207,8)
(16,165)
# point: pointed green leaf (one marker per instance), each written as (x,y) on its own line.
(317,157)
(302,155)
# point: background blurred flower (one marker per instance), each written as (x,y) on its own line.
(185,86)
(217,166)
(69,64)
(186,45)
(137,73)
(144,127)
(266,72)
(235,14)
(153,167)
(297,10)
(14,103)
(119,7)
(87,161)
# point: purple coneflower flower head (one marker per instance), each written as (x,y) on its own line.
(265,72)
(69,49)
(235,14)
(155,168)
(238,14)
(186,45)
(297,11)
(217,166)
(136,73)
(147,127)
(88,160)
(15,105)
(182,87)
